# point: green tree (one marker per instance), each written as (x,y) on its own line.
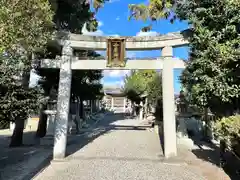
(136,84)
(20,38)
(133,86)
(145,82)
(154,95)
(25,27)
(70,17)
(212,72)
(16,102)
(153,11)
(86,83)
(85,86)
(17,27)
(154,88)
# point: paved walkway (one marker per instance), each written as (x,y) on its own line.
(121,150)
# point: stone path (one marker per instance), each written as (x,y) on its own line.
(121,150)
(23,162)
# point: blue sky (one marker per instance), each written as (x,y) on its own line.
(113,20)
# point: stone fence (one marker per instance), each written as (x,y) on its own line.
(188,128)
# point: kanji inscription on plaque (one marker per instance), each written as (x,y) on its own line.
(116,52)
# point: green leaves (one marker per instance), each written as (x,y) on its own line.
(147,83)
(26,26)
(211,74)
(15,100)
(228,129)
(154,88)
(24,23)
(86,84)
(154,10)
(141,82)
(139,11)
(71,16)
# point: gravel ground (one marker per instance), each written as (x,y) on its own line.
(120,151)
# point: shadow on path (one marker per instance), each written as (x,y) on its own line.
(211,153)
(10,156)
(161,137)
(102,128)
(79,141)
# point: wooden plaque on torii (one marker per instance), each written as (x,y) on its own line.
(116,52)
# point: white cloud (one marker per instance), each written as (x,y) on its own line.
(95,33)
(117,18)
(113,35)
(120,83)
(113,1)
(100,23)
(119,74)
(150,33)
(102,81)
(115,84)
(131,54)
(115,73)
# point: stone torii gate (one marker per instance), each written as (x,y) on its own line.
(68,63)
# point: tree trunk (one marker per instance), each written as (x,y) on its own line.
(91,106)
(81,114)
(26,78)
(222,153)
(77,117)
(134,110)
(206,119)
(42,124)
(17,136)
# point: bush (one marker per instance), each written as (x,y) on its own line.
(228,130)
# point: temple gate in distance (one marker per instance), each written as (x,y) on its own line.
(116,48)
(115,100)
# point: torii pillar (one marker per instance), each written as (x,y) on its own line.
(169,120)
(64,90)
